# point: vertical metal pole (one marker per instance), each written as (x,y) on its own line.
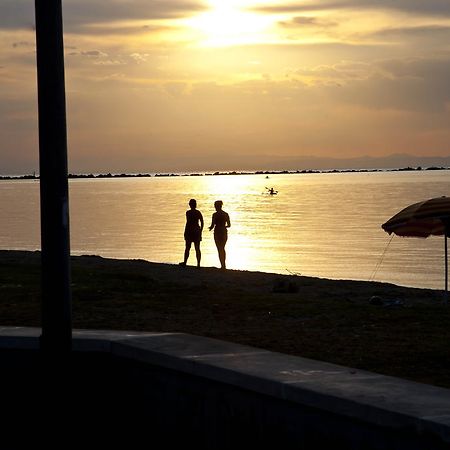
(55,242)
(446,268)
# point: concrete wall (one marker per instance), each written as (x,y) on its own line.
(153,390)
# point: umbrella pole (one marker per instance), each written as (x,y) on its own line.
(446,269)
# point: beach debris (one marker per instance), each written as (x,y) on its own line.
(282,286)
(378,301)
(297,274)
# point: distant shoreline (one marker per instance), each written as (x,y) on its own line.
(218,173)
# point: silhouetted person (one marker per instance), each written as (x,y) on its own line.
(193,232)
(220,222)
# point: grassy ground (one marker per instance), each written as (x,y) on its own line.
(310,317)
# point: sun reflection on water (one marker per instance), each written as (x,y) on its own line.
(326,225)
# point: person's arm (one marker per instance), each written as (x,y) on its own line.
(213,221)
(228,223)
(201,221)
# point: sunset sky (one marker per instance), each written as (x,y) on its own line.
(175,85)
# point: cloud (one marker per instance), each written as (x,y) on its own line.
(335,74)
(390,104)
(100,58)
(436,71)
(416,84)
(139,57)
(93,54)
(286,8)
(414,32)
(407,85)
(111,29)
(23,44)
(205,120)
(307,21)
(98,11)
(16,14)
(429,7)
(110,62)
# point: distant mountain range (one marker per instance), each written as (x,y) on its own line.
(251,163)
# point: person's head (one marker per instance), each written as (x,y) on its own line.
(193,203)
(218,205)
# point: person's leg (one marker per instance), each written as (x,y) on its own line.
(198,253)
(220,244)
(186,252)
(222,256)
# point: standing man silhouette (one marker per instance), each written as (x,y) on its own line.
(220,222)
(193,232)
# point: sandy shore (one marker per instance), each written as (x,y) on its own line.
(374,326)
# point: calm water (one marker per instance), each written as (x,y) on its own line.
(325,225)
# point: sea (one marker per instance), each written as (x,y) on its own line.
(324,225)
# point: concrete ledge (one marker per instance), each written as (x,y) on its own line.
(394,404)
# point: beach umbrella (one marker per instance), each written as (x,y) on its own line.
(428,218)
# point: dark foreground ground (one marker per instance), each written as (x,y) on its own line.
(404,332)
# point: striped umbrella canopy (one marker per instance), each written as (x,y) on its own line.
(422,219)
(428,218)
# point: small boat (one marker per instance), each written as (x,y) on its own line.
(271,191)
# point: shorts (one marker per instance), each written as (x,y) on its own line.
(220,237)
(193,235)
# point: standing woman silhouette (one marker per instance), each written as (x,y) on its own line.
(193,232)
(220,222)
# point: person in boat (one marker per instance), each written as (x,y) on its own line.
(272,191)
(220,222)
(193,232)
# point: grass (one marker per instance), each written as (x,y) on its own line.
(324,319)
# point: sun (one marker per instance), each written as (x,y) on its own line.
(228,23)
